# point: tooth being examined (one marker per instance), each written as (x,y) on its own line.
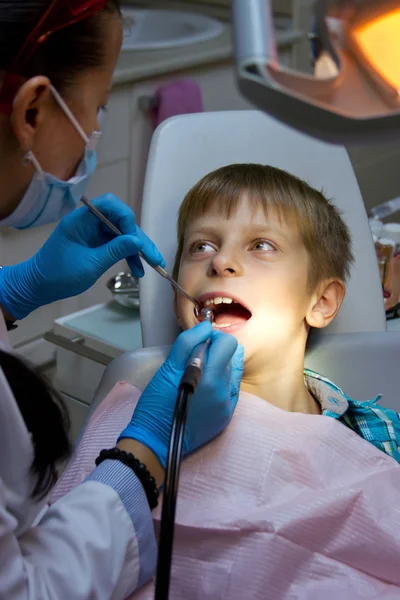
(219,300)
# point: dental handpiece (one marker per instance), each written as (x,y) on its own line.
(159,269)
(195,364)
(186,389)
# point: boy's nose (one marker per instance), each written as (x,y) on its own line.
(223,265)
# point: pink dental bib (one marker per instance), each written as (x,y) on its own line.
(282,506)
(286,506)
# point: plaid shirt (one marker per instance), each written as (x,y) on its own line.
(379,426)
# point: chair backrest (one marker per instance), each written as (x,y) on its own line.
(187,147)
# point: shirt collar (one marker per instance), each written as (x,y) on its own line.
(334,402)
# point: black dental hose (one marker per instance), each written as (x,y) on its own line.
(187,387)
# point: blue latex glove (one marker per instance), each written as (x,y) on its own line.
(78,252)
(212,405)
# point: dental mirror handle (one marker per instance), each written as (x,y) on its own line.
(175,284)
(117,231)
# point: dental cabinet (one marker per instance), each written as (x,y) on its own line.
(85,342)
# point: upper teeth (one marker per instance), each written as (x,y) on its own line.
(218,300)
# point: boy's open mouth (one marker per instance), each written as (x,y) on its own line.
(228,310)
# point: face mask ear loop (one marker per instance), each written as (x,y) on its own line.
(31,158)
(70,115)
(94,140)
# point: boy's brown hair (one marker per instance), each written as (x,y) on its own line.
(325,235)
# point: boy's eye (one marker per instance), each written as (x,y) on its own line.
(200,246)
(262,245)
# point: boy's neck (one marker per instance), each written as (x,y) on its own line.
(284,388)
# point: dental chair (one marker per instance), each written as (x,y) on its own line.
(356,351)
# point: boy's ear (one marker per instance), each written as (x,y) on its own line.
(326,302)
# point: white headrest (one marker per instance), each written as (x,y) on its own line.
(186,148)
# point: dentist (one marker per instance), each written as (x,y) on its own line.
(56,63)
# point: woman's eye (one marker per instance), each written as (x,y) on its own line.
(200,246)
(263,245)
(101,114)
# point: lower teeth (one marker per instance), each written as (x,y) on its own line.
(220,326)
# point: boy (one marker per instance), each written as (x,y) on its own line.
(272,507)
(281,252)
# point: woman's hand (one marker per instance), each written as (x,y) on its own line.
(78,252)
(212,405)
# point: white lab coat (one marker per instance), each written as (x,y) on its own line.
(85,545)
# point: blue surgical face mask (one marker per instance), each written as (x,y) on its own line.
(47,198)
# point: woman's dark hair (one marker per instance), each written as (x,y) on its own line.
(65,54)
(45,416)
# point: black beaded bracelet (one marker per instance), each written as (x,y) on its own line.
(146,479)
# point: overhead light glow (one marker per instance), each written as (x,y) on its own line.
(379,42)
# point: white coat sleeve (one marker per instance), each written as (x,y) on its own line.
(96,542)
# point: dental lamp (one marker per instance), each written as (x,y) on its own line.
(354,94)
